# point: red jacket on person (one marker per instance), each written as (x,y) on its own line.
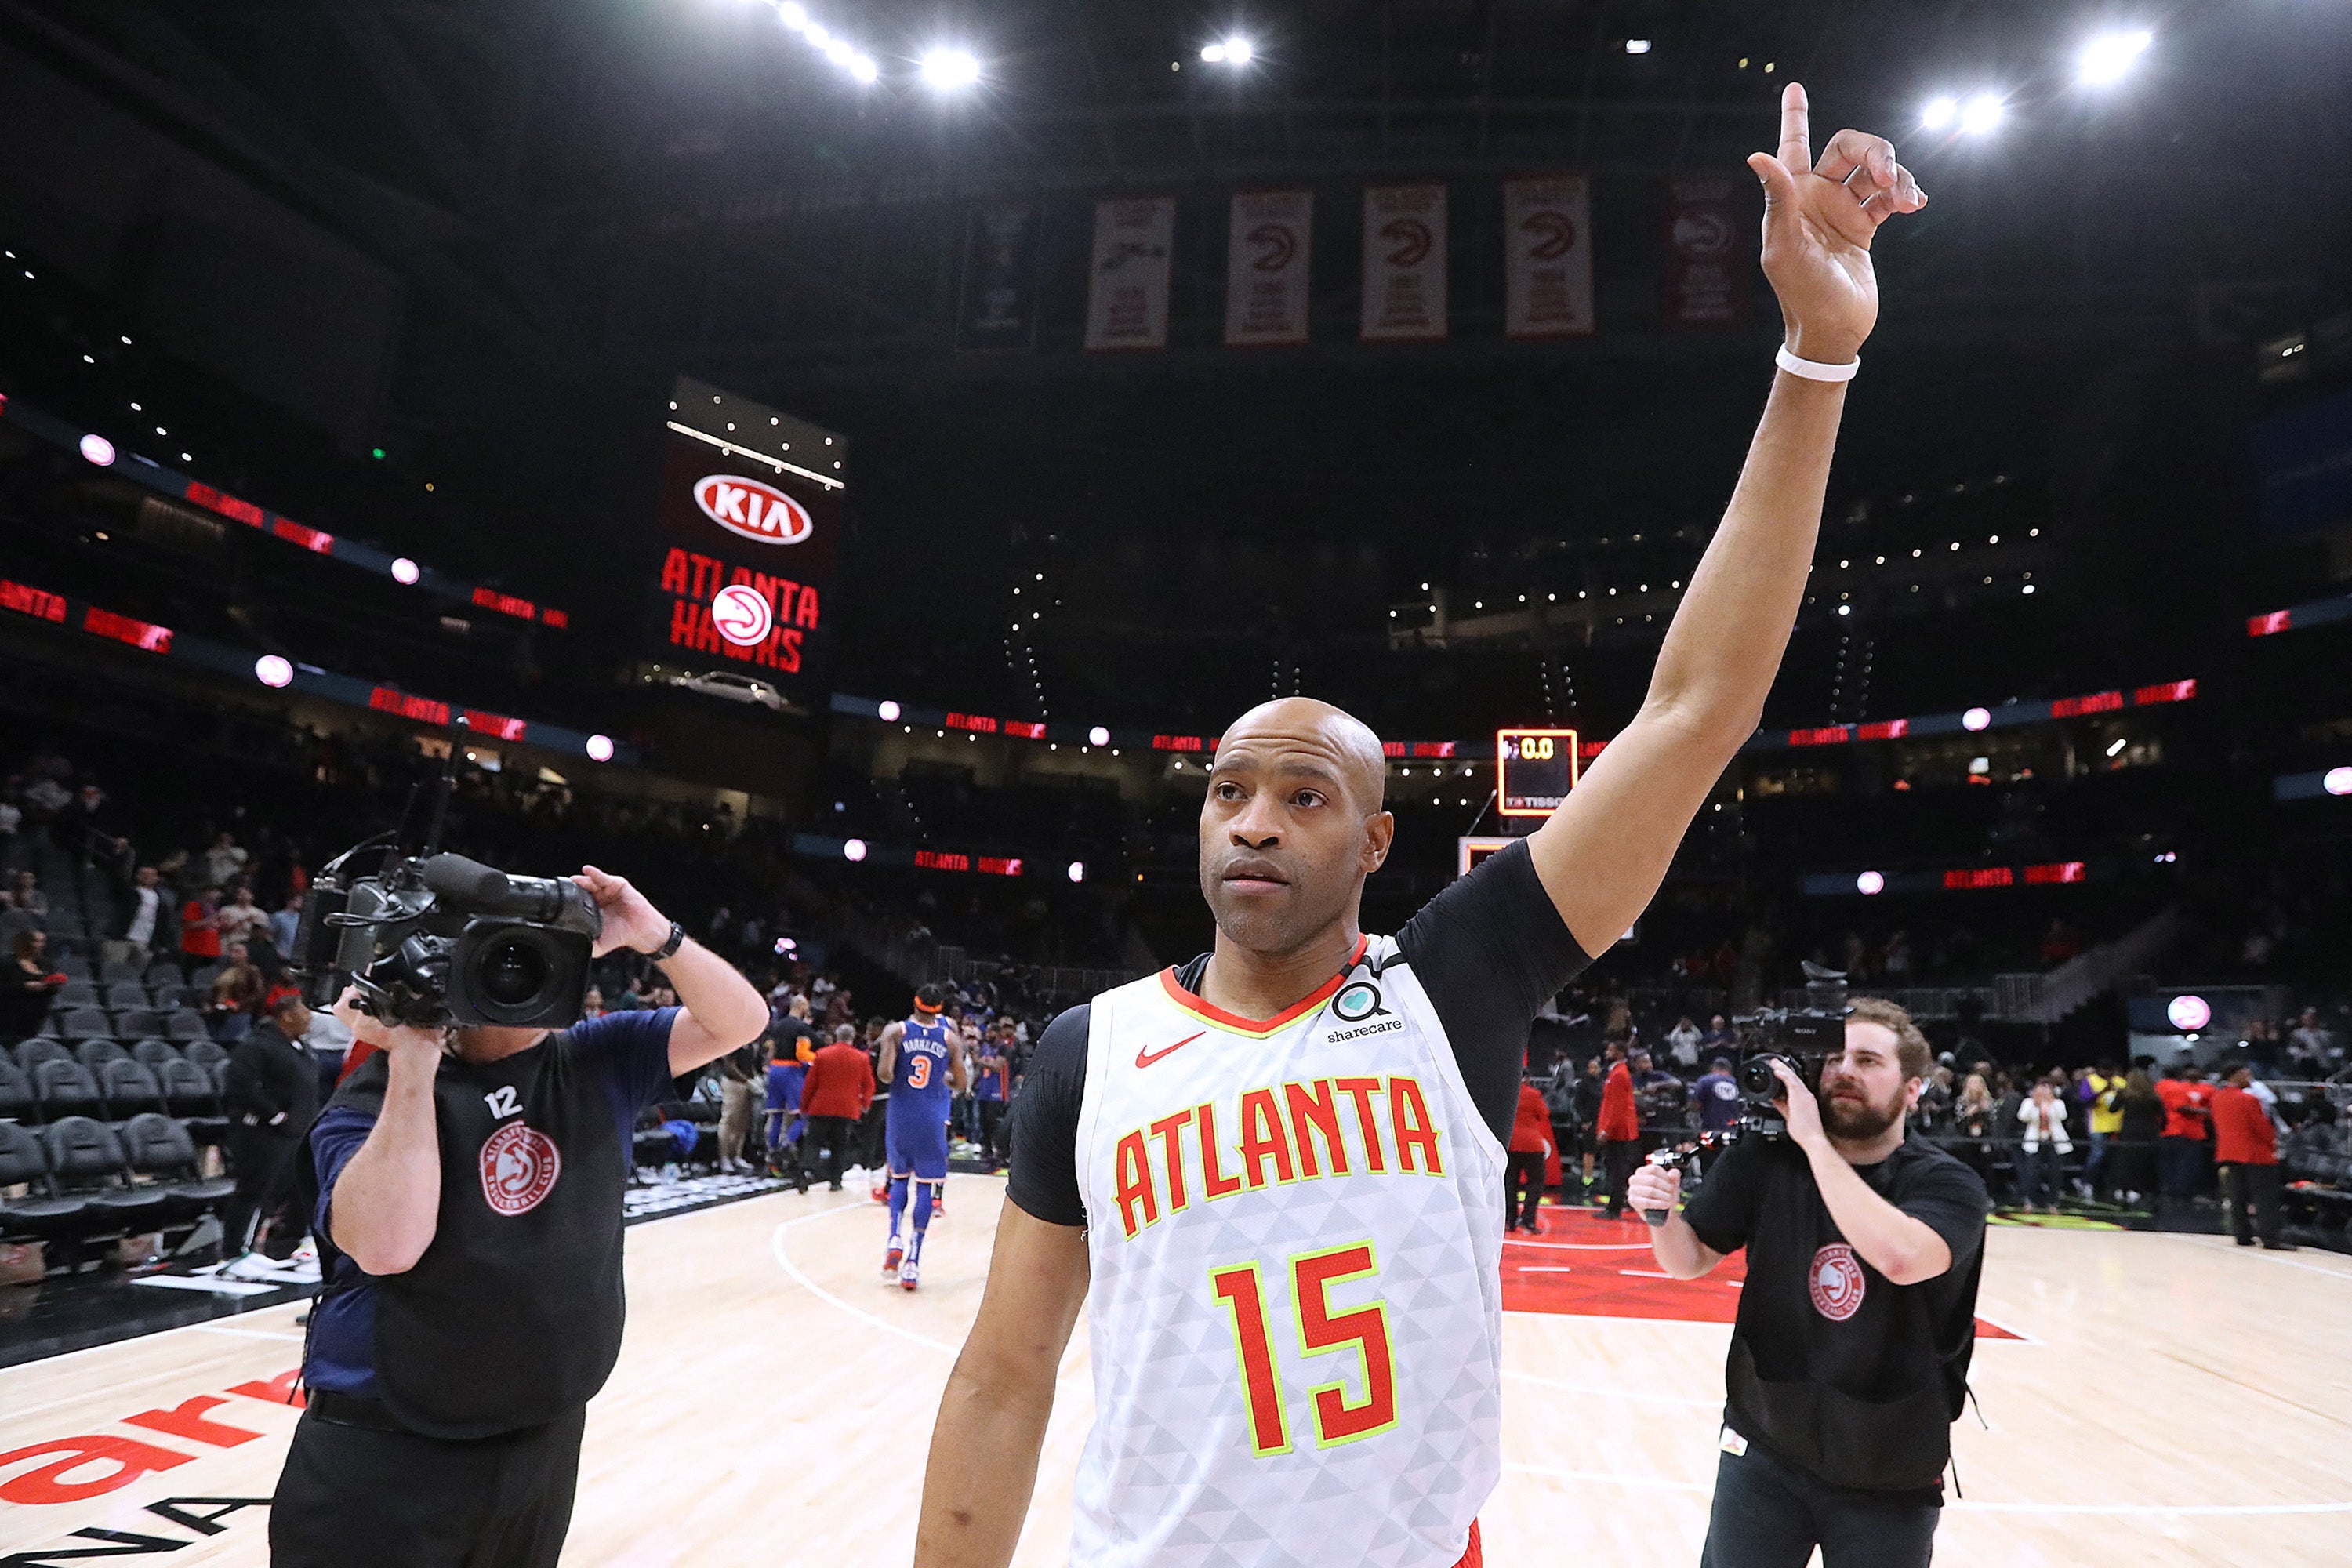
(1620,1122)
(1531,1128)
(840,1082)
(2243,1133)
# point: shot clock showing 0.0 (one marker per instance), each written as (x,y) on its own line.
(1534,770)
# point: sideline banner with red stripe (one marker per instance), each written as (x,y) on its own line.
(1267,267)
(1404,263)
(1126,288)
(1548,258)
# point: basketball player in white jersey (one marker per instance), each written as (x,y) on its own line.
(1278,1170)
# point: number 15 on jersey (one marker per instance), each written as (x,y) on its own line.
(1241,1289)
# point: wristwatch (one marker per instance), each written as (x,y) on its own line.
(668,949)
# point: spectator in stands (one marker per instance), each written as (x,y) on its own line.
(1897,961)
(837,1091)
(14,921)
(992,1089)
(146,923)
(1683,1043)
(200,939)
(2045,1147)
(224,862)
(2245,1147)
(1719,1037)
(285,925)
(591,1006)
(740,1073)
(236,994)
(31,899)
(32,985)
(1660,1098)
(2313,1043)
(2140,1117)
(272,1094)
(2188,1101)
(240,919)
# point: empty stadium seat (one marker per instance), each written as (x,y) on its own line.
(32,1053)
(171,996)
(125,996)
(188,1089)
(17,1101)
(188,1024)
(95,1053)
(206,1052)
(40,1213)
(155,1054)
(86,1160)
(204,976)
(71,964)
(165,971)
(137,1023)
(160,1149)
(128,1088)
(83,1023)
(76,993)
(65,1087)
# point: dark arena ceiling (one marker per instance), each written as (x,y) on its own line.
(486,236)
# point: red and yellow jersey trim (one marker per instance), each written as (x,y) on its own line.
(1260,1028)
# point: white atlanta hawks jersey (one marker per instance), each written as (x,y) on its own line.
(1295,1226)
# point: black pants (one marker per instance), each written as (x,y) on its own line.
(263,1163)
(2250,1193)
(1770,1514)
(1523,1174)
(1621,1155)
(354,1497)
(824,1148)
(992,1130)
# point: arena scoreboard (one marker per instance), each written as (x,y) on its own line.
(748,535)
(1534,770)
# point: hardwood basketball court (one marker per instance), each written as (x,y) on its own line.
(2152,1400)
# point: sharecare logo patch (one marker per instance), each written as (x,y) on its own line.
(520,1164)
(1837,1282)
(754,511)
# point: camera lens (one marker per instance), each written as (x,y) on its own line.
(512,974)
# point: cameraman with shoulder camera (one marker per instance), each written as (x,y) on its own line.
(1849,1360)
(470,1184)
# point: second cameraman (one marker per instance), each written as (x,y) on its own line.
(1850,1355)
(470,1183)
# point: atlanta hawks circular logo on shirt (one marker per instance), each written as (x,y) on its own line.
(520,1165)
(1837,1282)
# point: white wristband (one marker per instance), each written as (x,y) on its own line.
(1815,369)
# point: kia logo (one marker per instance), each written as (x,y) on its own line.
(757,512)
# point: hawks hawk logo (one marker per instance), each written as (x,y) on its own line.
(1412,239)
(1837,1282)
(520,1164)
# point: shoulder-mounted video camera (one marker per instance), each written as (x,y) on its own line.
(435,938)
(1800,1039)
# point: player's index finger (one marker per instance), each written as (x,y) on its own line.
(1795,129)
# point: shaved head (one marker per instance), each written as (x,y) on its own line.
(1292,825)
(1353,746)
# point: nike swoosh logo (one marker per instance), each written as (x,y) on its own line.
(1145,1058)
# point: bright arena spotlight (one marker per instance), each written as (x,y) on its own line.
(1981,115)
(949,69)
(2110,56)
(1233,51)
(1940,112)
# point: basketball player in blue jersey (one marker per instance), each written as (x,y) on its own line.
(915,1127)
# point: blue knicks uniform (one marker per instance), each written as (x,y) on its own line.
(915,1129)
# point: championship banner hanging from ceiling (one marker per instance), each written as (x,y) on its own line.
(1126,289)
(1709,251)
(748,534)
(1267,272)
(999,308)
(1404,263)
(1548,258)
